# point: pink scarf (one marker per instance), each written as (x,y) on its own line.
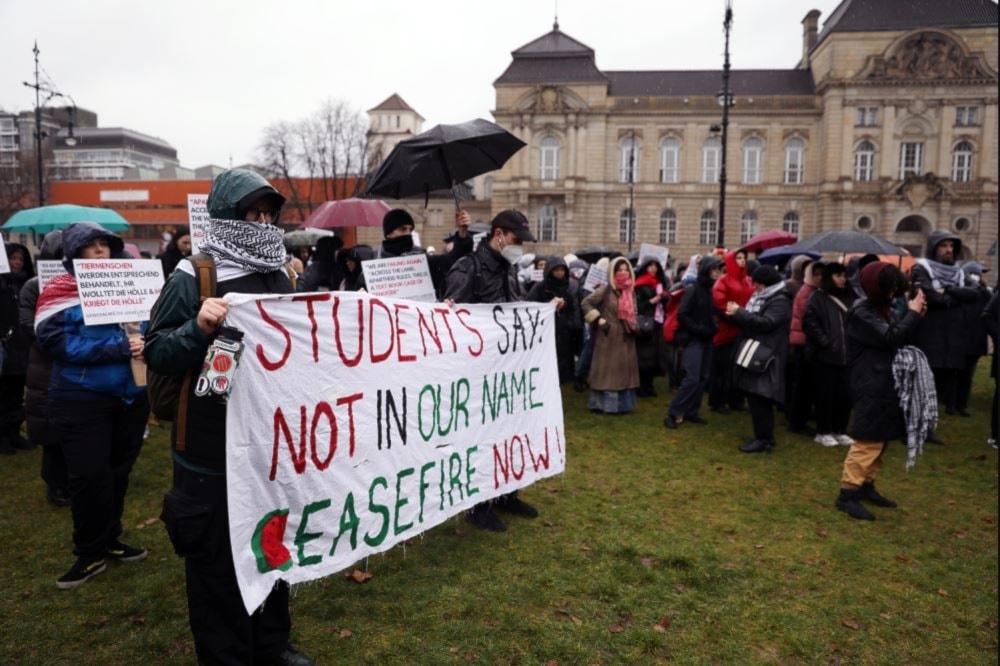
(626,300)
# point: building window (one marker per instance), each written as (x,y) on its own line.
(626,226)
(548,220)
(550,158)
(8,142)
(864,161)
(911,159)
(791,223)
(961,162)
(961,224)
(748,226)
(753,151)
(864,223)
(966,115)
(795,151)
(628,171)
(7,125)
(668,227)
(397,122)
(711,158)
(708,229)
(670,160)
(867,116)
(488,187)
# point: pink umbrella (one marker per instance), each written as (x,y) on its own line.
(347,213)
(133,250)
(769,239)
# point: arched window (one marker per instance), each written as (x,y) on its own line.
(864,161)
(670,160)
(668,227)
(911,159)
(791,223)
(961,162)
(711,158)
(748,226)
(549,158)
(626,226)
(795,154)
(753,152)
(628,150)
(708,229)
(548,222)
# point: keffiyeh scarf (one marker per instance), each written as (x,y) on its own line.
(258,248)
(917,397)
(943,275)
(758,299)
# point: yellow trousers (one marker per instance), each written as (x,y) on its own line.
(863,463)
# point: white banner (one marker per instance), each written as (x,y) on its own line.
(407,277)
(116,291)
(198,219)
(356,423)
(649,251)
(48,269)
(4,263)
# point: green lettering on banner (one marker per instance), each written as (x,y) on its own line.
(401,502)
(348,521)
(424,486)
(517,388)
(469,471)
(460,401)
(420,413)
(454,477)
(441,478)
(302,537)
(380,509)
(531,390)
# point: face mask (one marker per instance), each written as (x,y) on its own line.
(398,245)
(974,278)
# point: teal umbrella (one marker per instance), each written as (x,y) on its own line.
(49,218)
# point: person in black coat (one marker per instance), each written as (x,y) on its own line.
(824,324)
(696,326)
(764,319)
(651,296)
(177,249)
(324,272)
(557,288)
(991,324)
(16,347)
(352,278)
(974,334)
(874,335)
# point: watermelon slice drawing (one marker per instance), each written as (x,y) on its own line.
(267,542)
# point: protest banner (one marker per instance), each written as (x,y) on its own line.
(116,291)
(406,277)
(537,274)
(649,251)
(198,220)
(4,263)
(48,269)
(356,423)
(596,278)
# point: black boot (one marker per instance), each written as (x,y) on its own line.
(483,517)
(511,503)
(849,501)
(757,446)
(869,494)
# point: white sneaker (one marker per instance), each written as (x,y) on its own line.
(826,440)
(843,439)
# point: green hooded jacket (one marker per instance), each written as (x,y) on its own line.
(230,187)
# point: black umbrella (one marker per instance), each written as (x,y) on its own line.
(846,242)
(595,252)
(441,157)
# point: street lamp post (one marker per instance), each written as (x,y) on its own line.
(39,88)
(725,98)
(631,189)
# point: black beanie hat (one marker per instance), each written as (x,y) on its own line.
(833,268)
(394,219)
(766,275)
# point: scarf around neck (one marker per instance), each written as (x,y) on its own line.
(758,299)
(258,248)
(943,275)
(626,301)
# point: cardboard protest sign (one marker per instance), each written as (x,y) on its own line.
(48,269)
(198,220)
(406,277)
(649,251)
(356,423)
(116,291)
(596,278)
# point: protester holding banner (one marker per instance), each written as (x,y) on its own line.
(557,288)
(614,370)
(178,248)
(15,349)
(249,257)
(489,275)
(98,411)
(38,413)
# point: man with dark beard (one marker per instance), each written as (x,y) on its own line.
(943,284)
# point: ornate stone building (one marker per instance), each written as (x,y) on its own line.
(887,125)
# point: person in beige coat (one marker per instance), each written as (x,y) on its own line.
(614,371)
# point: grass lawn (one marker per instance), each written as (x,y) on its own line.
(655,546)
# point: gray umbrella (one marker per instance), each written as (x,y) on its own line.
(846,242)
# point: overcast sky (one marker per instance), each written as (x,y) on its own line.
(208,76)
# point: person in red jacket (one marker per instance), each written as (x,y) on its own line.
(734,286)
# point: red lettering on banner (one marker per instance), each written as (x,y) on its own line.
(379,356)
(323,409)
(504,460)
(298,460)
(349,401)
(422,326)
(309,300)
(271,366)
(400,332)
(349,362)
(470,329)
(444,312)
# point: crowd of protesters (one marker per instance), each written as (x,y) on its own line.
(841,345)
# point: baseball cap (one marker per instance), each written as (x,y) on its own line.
(513,220)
